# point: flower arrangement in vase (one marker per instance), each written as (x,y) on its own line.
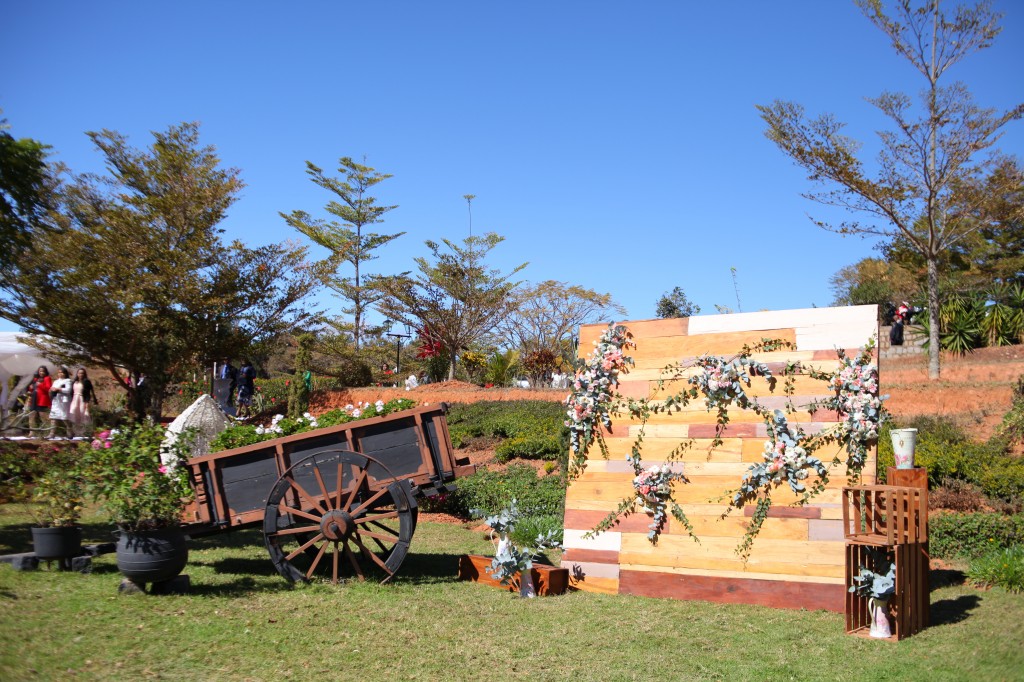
(513,562)
(877,582)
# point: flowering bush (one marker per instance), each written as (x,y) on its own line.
(137,478)
(280,426)
(593,390)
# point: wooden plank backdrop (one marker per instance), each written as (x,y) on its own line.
(798,560)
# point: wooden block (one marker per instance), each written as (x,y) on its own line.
(909,478)
(773,593)
(547,580)
(598,585)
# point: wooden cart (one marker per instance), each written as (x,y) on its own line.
(340,501)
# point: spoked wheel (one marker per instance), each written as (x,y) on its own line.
(339,514)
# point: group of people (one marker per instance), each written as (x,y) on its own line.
(242,379)
(63,402)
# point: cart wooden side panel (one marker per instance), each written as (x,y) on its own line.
(232,485)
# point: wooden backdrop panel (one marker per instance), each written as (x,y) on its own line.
(797,561)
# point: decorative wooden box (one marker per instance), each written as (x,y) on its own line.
(885,515)
(547,580)
(908,607)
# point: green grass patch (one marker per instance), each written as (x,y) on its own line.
(243,622)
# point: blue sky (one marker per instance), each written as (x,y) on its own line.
(614,145)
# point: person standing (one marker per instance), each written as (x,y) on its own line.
(229,372)
(60,402)
(246,387)
(40,404)
(82,393)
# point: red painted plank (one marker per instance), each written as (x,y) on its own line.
(773,593)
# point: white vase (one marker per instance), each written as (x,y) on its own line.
(903,443)
(879,610)
(526,588)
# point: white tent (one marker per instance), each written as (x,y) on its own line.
(17,359)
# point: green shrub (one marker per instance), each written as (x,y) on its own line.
(529,447)
(21,465)
(489,492)
(529,527)
(1004,569)
(973,534)
(948,453)
(532,429)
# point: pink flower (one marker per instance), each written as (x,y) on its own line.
(104,435)
(96,445)
(163,469)
(107,445)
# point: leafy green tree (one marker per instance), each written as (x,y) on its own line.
(27,185)
(932,166)
(453,297)
(134,274)
(345,238)
(545,315)
(675,304)
(873,281)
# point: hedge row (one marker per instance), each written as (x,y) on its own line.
(528,429)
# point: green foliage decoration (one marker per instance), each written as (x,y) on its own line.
(722,382)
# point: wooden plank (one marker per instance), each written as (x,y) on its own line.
(598,585)
(774,593)
(659,352)
(635,548)
(835,579)
(599,556)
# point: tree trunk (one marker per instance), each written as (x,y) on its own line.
(451,368)
(933,318)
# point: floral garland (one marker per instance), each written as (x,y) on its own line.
(788,457)
(590,402)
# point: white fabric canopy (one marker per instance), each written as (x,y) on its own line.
(17,359)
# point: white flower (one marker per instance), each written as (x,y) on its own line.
(260,430)
(349,406)
(356,413)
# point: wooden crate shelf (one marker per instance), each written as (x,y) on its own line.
(909,606)
(885,515)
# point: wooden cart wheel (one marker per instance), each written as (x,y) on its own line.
(341,514)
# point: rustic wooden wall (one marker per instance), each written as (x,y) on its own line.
(797,560)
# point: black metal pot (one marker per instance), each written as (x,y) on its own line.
(57,543)
(151,556)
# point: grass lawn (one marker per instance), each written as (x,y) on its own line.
(243,622)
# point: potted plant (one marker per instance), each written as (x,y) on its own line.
(58,496)
(135,472)
(513,562)
(877,582)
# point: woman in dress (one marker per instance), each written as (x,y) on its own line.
(40,404)
(60,403)
(82,393)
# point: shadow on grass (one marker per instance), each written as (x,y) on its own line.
(945,577)
(949,611)
(429,568)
